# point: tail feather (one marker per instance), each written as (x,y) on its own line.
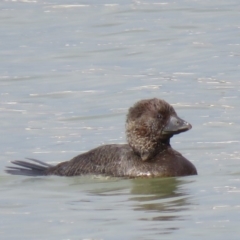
(40,162)
(29,165)
(24,172)
(27,168)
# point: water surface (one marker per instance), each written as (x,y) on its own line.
(69,70)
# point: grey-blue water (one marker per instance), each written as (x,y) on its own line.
(69,70)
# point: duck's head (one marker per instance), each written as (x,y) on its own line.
(150,124)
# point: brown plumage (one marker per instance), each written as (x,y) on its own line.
(145,121)
(150,125)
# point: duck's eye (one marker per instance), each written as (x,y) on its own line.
(159,116)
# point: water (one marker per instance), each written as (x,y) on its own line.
(69,70)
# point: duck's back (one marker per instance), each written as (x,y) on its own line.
(107,159)
(119,160)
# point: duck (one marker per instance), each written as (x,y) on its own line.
(150,124)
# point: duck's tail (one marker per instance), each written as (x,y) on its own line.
(38,168)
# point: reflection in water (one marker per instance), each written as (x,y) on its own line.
(161,195)
(147,201)
(161,200)
(159,187)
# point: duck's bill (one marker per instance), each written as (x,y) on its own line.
(176,125)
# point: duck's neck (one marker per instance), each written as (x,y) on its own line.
(160,147)
(147,149)
(164,143)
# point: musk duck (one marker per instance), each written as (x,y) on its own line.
(150,125)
